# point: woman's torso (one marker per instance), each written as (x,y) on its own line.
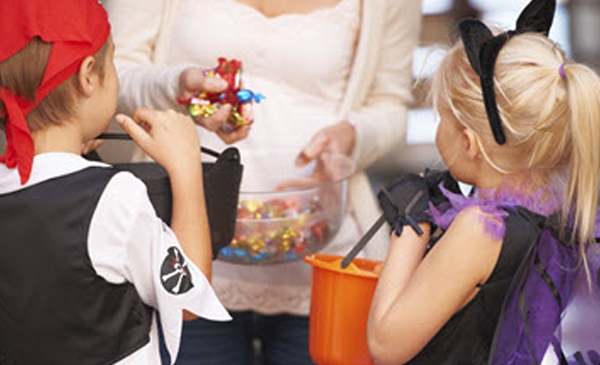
(301,64)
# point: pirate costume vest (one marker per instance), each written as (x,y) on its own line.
(54,308)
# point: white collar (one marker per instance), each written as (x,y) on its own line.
(45,166)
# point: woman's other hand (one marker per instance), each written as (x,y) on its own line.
(330,148)
(193,81)
(338,138)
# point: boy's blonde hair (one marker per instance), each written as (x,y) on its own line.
(552,124)
(22,74)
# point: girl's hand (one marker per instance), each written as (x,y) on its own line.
(193,81)
(168,137)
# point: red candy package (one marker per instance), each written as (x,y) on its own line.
(205,104)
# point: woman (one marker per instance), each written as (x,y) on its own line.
(336,75)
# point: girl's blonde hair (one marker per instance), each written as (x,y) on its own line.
(552,124)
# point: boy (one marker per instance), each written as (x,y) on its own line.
(85,261)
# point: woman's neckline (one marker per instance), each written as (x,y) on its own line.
(266,17)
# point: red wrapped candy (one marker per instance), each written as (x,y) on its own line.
(205,104)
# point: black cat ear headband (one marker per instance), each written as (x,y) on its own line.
(482,49)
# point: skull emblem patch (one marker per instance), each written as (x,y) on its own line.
(174,273)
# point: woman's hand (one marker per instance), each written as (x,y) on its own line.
(338,138)
(330,148)
(193,81)
(168,137)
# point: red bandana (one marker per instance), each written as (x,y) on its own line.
(76,28)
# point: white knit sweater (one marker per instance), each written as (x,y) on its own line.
(375,100)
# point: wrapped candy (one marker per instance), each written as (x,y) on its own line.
(277,230)
(206,104)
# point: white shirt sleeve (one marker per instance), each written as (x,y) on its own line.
(129,242)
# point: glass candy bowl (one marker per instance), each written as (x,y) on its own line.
(285,212)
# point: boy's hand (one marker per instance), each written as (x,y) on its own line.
(193,81)
(168,137)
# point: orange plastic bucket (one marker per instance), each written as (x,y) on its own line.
(339,309)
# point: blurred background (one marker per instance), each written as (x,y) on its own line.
(575,28)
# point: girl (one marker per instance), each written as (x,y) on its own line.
(519,123)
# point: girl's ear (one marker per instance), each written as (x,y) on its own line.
(470,143)
(86,78)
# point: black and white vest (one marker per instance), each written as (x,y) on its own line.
(54,308)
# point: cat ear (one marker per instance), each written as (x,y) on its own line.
(537,17)
(482,49)
(474,35)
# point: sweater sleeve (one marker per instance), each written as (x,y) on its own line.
(381,120)
(136,28)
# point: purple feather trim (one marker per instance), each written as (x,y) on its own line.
(491,202)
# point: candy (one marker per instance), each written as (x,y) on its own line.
(277,230)
(206,104)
